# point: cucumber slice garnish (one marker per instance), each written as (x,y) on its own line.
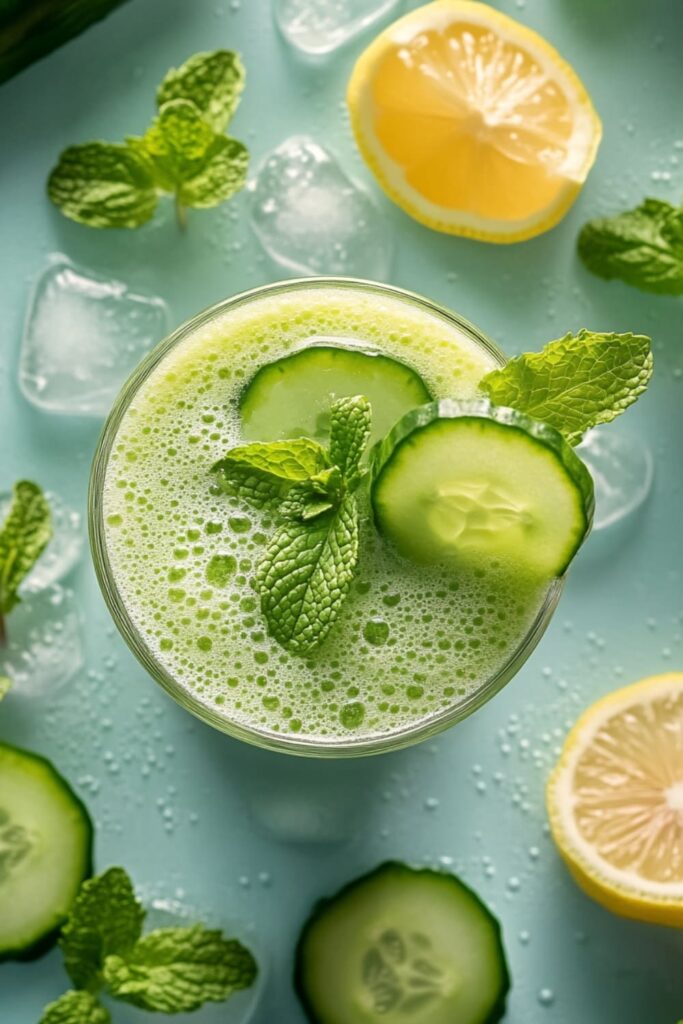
(291,397)
(467,483)
(402,946)
(45,852)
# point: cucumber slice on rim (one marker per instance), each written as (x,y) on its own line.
(463,483)
(45,852)
(291,397)
(402,946)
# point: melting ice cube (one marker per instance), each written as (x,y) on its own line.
(64,548)
(312,218)
(44,647)
(320,26)
(83,337)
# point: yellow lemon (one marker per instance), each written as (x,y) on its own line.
(615,800)
(473,123)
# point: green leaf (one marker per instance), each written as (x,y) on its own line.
(643,247)
(575,383)
(212,81)
(177,143)
(310,498)
(75,1008)
(23,536)
(264,471)
(350,420)
(222,174)
(305,576)
(105,918)
(176,970)
(5,686)
(103,185)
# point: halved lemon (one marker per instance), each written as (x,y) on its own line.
(473,123)
(615,801)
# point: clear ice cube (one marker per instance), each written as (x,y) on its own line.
(44,648)
(311,218)
(83,337)
(64,549)
(622,469)
(319,26)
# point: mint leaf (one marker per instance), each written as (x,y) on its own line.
(350,420)
(5,686)
(222,173)
(23,537)
(643,247)
(105,918)
(75,1008)
(177,142)
(103,185)
(264,471)
(212,81)
(176,970)
(576,382)
(310,498)
(305,576)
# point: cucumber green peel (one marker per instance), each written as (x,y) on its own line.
(400,946)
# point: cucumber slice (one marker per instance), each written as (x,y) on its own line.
(45,852)
(463,483)
(402,946)
(291,397)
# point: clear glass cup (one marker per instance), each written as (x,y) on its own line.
(293,744)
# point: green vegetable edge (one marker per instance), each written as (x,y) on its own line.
(426,415)
(398,867)
(46,942)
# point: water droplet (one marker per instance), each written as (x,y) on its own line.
(546,997)
(431,803)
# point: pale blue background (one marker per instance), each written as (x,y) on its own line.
(620,619)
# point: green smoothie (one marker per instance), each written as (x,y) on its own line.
(412,642)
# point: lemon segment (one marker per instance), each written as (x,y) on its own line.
(615,801)
(473,123)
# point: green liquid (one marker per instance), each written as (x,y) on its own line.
(410,643)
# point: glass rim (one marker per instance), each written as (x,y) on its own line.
(382,743)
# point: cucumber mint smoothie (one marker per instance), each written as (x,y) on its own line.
(414,646)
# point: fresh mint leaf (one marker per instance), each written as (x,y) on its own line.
(75,1008)
(643,247)
(264,471)
(23,537)
(212,81)
(177,143)
(350,420)
(310,498)
(305,576)
(576,382)
(103,185)
(106,918)
(176,970)
(223,173)
(5,686)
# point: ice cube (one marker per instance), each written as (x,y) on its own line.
(82,338)
(64,549)
(622,469)
(44,648)
(320,26)
(312,218)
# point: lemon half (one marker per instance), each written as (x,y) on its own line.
(473,123)
(615,801)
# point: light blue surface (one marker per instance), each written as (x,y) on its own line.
(238,812)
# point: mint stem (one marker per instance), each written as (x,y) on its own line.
(181,215)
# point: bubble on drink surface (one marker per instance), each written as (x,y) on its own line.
(317,28)
(312,218)
(83,336)
(64,548)
(44,649)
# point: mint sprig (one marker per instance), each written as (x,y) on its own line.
(642,247)
(309,563)
(23,537)
(576,382)
(184,153)
(169,970)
